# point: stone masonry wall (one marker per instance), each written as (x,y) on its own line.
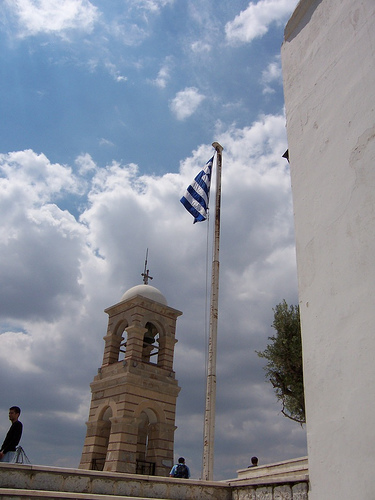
(52,479)
(298,491)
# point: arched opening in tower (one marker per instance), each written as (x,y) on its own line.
(122,348)
(150,344)
(104,431)
(146,442)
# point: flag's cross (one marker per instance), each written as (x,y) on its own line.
(146,276)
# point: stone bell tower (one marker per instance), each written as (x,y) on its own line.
(132,415)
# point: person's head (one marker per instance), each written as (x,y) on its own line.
(254,460)
(14,413)
(181,460)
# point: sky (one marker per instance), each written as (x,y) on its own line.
(108,111)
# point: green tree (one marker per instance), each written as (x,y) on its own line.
(284,361)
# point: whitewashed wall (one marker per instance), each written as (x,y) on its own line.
(328,59)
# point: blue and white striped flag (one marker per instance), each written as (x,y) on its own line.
(195,200)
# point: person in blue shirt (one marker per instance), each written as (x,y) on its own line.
(180,469)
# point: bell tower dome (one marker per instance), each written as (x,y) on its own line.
(133,405)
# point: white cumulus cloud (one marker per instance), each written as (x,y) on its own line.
(53,16)
(164,74)
(255,21)
(186,102)
(272,74)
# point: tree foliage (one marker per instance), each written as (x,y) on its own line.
(284,361)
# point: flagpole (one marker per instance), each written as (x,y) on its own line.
(209,418)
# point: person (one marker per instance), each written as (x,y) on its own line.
(8,448)
(180,469)
(254,462)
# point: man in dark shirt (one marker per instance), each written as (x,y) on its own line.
(13,436)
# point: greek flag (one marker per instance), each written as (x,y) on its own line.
(195,200)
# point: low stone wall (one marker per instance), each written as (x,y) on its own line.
(40,478)
(281,481)
(294,469)
(288,491)
(287,480)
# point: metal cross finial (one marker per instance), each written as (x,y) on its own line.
(145,274)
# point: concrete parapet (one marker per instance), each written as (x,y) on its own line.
(287,480)
(292,470)
(35,478)
(10,494)
(281,481)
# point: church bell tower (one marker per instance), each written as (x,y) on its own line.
(133,405)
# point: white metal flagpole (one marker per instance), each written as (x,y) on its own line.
(209,417)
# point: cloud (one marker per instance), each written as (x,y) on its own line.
(272,74)
(164,74)
(200,47)
(152,5)
(106,142)
(255,21)
(59,272)
(114,72)
(36,234)
(35,176)
(19,344)
(186,103)
(135,25)
(85,163)
(53,16)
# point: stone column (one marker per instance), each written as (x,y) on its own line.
(134,343)
(166,351)
(160,447)
(111,349)
(95,447)
(122,446)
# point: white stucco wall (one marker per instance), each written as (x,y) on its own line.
(328,59)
